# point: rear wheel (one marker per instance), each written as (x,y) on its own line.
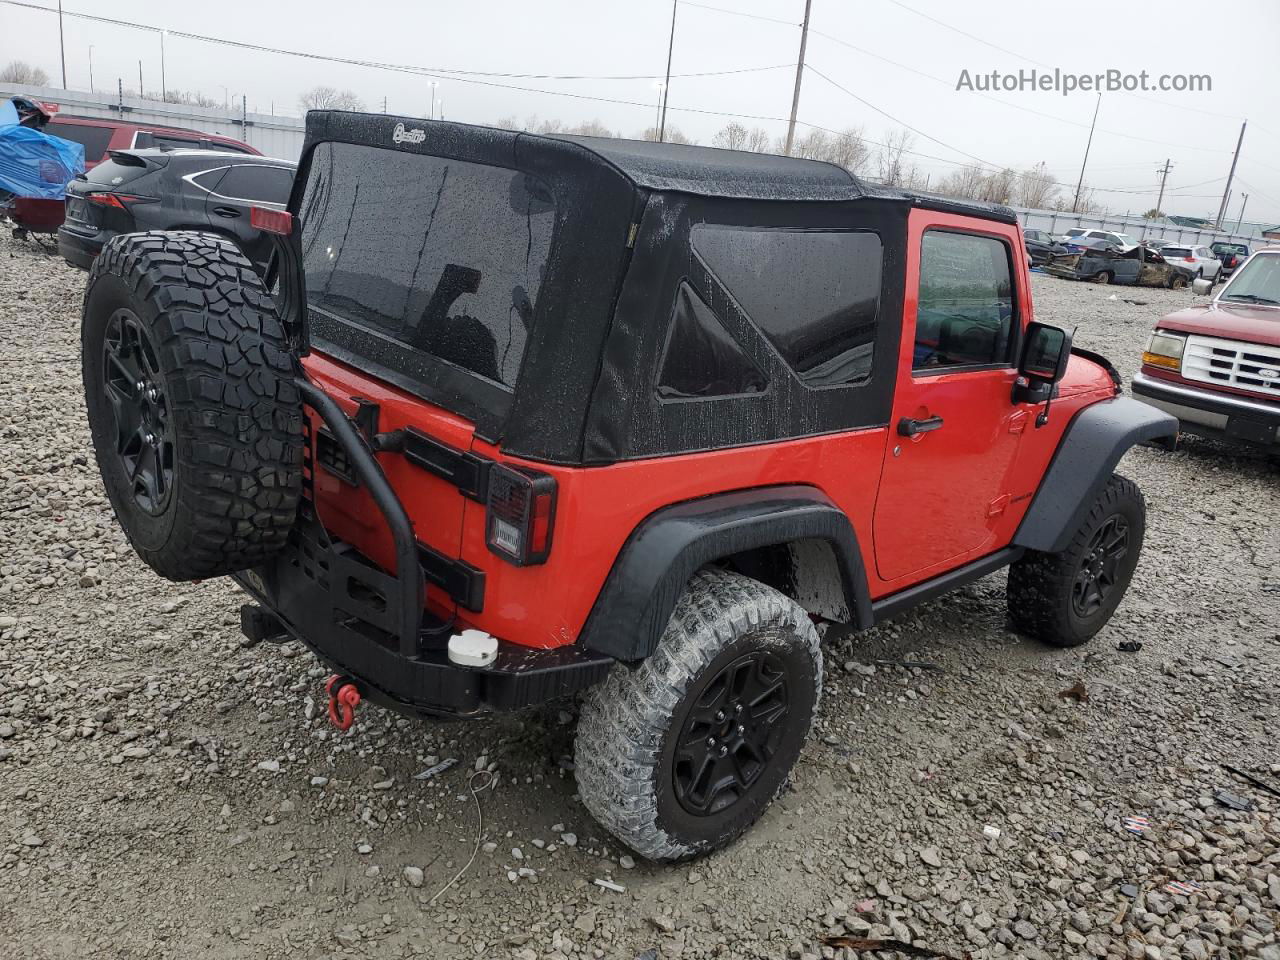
(681,754)
(1177,281)
(1065,598)
(1104,277)
(196,421)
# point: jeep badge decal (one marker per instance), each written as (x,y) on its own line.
(401,135)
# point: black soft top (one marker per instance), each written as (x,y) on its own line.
(736,174)
(662,167)
(622,251)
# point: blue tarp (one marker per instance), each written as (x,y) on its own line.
(34,164)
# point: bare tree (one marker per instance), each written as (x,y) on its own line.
(759,141)
(18,71)
(892,167)
(672,135)
(330,98)
(591,128)
(1036,187)
(193,98)
(731,137)
(849,149)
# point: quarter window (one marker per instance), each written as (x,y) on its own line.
(701,358)
(815,294)
(257,184)
(965,313)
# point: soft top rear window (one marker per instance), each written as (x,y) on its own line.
(418,255)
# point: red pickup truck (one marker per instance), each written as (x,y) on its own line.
(1216,366)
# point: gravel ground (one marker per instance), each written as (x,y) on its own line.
(165,792)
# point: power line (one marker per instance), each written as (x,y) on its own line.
(868,103)
(1038,63)
(738,13)
(1016,106)
(453,73)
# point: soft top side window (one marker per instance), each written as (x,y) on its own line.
(966,314)
(814,294)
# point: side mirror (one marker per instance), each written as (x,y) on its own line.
(1201,287)
(1045,353)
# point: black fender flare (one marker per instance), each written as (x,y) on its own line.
(670,545)
(1091,446)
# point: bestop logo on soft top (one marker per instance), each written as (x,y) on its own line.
(401,135)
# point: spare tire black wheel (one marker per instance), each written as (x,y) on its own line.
(195,416)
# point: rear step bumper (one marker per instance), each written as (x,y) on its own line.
(373,627)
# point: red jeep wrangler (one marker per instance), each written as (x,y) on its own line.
(525,417)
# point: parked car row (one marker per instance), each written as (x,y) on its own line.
(164,189)
(99,136)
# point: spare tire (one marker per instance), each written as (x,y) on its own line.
(195,415)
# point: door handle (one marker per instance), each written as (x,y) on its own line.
(226,211)
(908,427)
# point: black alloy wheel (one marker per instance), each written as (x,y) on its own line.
(1100,568)
(731,733)
(135,393)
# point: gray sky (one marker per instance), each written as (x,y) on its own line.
(1136,133)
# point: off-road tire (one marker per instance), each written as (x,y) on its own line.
(1041,591)
(229,403)
(625,749)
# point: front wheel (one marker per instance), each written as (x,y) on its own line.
(679,755)
(1064,598)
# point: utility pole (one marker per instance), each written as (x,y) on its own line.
(1222,210)
(795,97)
(140,93)
(1242,204)
(244,117)
(62,47)
(164,96)
(91,68)
(1089,143)
(1164,175)
(384,106)
(666,83)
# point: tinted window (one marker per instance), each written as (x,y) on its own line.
(1175,251)
(211,178)
(442,255)
(701,358)
(813,293)
(93,139)
(965,310)
(112,174)
(168,142)
(257,184)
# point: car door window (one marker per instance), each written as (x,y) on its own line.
(257,184)
(965,313)
(210,179)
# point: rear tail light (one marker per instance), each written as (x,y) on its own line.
(271,221)
(118,200)
(521,514)
(1189,259)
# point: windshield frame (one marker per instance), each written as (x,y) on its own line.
(1240,271)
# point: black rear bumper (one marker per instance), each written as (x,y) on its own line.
(79,248)
(372,626)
